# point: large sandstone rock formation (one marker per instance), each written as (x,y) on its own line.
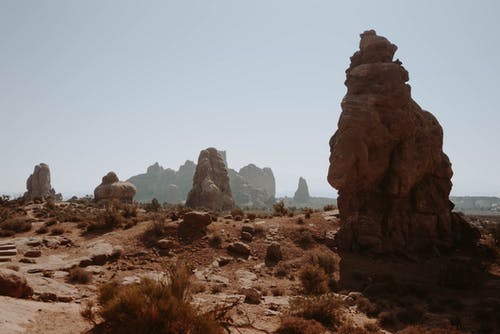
(210,183)
(111,188)
(302,193)
(38,184)
(387,161)
(259,178)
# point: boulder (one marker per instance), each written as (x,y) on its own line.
(273,253)
(113,189)
(387,160)
(239,248)
(14,284)
(38,184)
(194,225)
(210,183)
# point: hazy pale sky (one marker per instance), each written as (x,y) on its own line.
(93,86)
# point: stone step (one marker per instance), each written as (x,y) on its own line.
(5,259)
(7,246)
(8,252)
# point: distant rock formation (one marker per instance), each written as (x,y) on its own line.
(157,181)
(211,188)
(251,186)
(173,194)
(387,161)
(38,184)
(259,178)
(302,193)
(111,188)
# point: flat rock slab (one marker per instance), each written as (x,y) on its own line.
(18,316)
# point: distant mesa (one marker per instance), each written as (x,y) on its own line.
(253,186)
(387,162)
(302,193)
(38,184)
(211,188)
(111,188)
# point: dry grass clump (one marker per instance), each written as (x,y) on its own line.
(12,226)
(107,220)
(324,259)
(282,269)
(366,306)
(79,275)
(349,328)
(314,279)
(325,309)
(295,325)
(154,307)
(42,229)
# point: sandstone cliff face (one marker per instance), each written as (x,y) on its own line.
(38,184)
(211,188)
(302,193)
(387,161)
(111,188)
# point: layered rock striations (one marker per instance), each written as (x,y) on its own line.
(111,188)
(211,187)
(302,193)
(387,161)
(38,184)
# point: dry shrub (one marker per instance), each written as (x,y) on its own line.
(251,216)
(280,209)
(282,269)
(107,220)
(15,225)
(323,259)
(57,231)
(307,212)
(154,232)
(237,212)
(130,210)
(314,279)
(295,325)
(303,237)
(329,207)
(215,241)
(326,309)
(42,229)
(79,275)
(154,307)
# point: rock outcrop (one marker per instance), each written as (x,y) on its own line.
(194,225)
(14,284)
(387,161)
(211,188)
(173,194)
(38,184)
(111,188)
(302,193)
